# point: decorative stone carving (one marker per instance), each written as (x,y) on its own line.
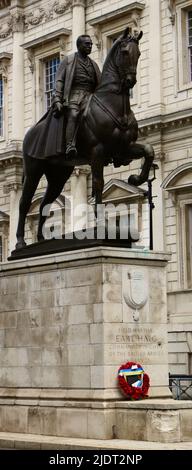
(5,29)
(4,62)
(59,7)
(17,21)
(31,59)
(4,224)
(134,18)
(62,47)
(12,186)
(98,37)
(171,7)
(35,17)
(136,293)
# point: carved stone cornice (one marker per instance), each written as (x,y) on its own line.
(169,122)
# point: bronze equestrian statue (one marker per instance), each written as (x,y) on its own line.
(77,77)
(104,128)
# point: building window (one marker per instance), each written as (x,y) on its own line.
(50,71)
(1,107)
(183,60)
(184,230)
(189,30)
(188,224)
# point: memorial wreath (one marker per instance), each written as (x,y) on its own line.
(133,381)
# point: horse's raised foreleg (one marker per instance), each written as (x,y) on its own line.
(29,188)
(137,151)
(56,179)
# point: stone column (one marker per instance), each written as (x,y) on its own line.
(78,21)
(79,197)
(155,68)
(17,25)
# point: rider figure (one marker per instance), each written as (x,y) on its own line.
(76,78)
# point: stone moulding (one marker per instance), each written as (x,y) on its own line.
(160,123)
(134,8)
(16,20)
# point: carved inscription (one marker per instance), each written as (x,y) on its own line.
(145,345)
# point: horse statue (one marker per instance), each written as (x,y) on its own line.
(107,134)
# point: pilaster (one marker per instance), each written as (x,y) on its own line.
(17,25)
(78,20)
(155,68)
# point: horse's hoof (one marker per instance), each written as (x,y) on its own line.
(134,180)
(20,244)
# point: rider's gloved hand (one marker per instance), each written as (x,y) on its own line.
(57,108)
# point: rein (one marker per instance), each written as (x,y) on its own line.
(123,126)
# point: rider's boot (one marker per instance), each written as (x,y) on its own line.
(71,132)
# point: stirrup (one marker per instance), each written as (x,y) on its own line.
(71,152)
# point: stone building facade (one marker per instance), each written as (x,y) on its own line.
(35,36)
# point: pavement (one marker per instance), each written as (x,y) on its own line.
(20,441)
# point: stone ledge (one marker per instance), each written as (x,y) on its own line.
(157,421)
(58,394)
(87,256)
(31,441)
(155,404)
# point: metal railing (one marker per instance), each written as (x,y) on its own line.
(181,386)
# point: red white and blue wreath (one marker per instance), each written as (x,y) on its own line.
(133,381)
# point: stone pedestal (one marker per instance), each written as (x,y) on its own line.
(68,321)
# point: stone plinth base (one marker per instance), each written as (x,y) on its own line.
(67,322)
(148,420)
